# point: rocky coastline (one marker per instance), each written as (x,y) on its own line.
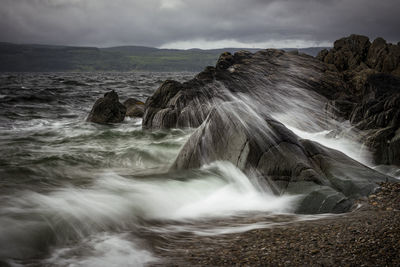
(233,107)
(360,82)
(232,103)
(368,236)
(371,98)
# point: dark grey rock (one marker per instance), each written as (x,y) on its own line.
(263,76)
(107,109)
(371,99)
(349,52)
(329,180)
(134,107)
(232,105)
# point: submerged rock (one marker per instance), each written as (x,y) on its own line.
(107,109)
(134,107)
(262,147)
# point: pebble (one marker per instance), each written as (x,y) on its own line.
(365,237)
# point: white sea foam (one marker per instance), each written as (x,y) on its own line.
(115,203)
(349,147)
(112,250)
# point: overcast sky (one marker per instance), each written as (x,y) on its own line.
(196,23)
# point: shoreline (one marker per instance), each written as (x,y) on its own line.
(368,236)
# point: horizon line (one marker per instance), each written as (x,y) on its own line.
(159,48)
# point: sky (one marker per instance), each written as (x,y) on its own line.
(202,24)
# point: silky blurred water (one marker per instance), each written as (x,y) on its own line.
(74,193)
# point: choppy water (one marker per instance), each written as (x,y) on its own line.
(74,193)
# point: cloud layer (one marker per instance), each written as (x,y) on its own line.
(196,23)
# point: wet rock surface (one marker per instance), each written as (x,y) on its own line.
(273,73)
(134,107)
(235,104)
(260,146)
(368,236)
(358,80)
(371,98)
(107,109)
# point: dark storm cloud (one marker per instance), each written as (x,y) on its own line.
(195,23)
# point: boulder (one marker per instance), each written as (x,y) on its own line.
(134,107)
(347,53)
(107,109)
(262,147)
(225,60)
(356,53)
(350,51)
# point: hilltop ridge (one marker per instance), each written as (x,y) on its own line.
(49,58)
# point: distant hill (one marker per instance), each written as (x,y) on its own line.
(42,58)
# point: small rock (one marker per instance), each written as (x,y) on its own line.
(107,109)
(134,107)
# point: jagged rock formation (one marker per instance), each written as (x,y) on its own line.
(371,98)
(107,109)
(236,104)
(356,53)
(134,107)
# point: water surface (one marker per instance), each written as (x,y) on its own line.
(74,193)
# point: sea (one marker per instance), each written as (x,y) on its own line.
(75,193)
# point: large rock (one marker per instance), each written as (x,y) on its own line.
(295,85)
(237,105)
(271,78)
(348,53)
(260,146)
(356,53)
(370,101)
(134,107)
(107,109)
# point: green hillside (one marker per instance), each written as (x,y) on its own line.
(36,58)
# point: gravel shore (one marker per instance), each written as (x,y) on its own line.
(368,236)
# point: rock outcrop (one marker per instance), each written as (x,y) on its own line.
(107,109)
(371,98)
(260,146)
(271,78)
(241,106)
(356,52)
(134,107)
